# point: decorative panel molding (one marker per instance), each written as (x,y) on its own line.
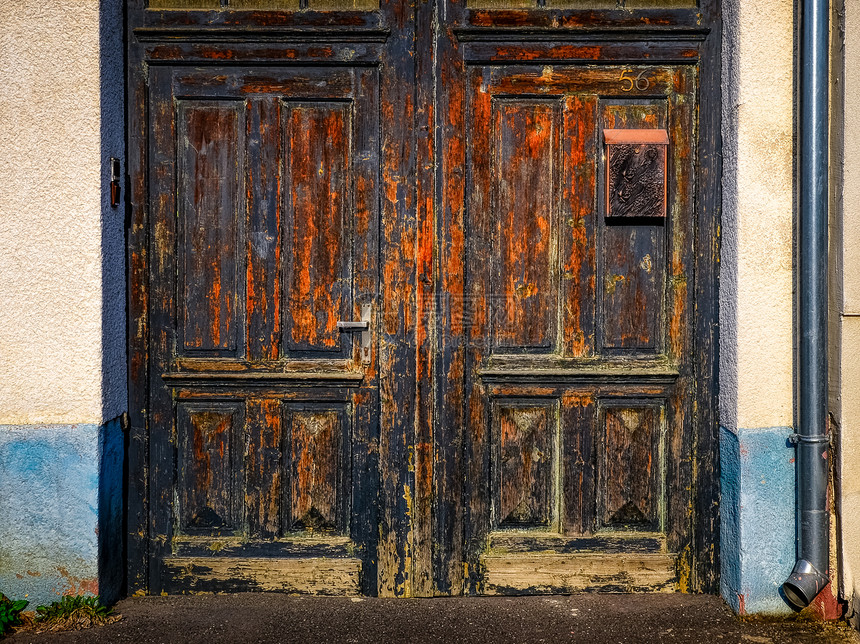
(318,472)
(210,151)
(210,467)
(317,154)
(525,457)
(629,465)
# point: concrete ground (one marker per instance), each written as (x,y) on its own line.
(211,619)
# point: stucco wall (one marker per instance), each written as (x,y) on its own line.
(756,364)
(756,304)
(62,325)
(847,402)
(61,257)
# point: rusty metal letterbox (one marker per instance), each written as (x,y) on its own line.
(635,172)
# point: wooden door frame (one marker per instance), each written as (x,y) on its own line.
(420,419)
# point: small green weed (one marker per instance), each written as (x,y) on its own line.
(73,612)
(10,613)
(71,604)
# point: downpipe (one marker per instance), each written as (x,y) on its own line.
(811,570)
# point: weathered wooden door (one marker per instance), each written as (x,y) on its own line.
(577,350)
(577,238)
(263,195)
(421,296)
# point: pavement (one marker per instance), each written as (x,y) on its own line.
(591,618)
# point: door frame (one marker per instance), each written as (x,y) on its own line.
(420,450)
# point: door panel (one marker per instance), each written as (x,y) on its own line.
(317,145)
(210,205)
(524,149)
(273,230)
(211,468)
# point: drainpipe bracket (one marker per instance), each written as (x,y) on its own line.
(796,439)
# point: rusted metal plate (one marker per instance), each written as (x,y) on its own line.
(636,172)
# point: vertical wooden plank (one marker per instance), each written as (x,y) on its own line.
(706,563)
(425,298)
(318,293)
(137,258)
(397,314)
(210,468)
(263,468)
(264,228)
(682,424)
(314,451)
(524,460)
(525,151)
(364,411)
(629,495)
(476,324)
(578,468)
(162,317)
(210,145)
(579,224)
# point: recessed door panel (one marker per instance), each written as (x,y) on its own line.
(209,196)
(317,151)
(525,299)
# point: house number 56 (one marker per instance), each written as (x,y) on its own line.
(629,82)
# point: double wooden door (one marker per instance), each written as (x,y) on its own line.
(421,298)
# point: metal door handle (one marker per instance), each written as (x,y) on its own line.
(362,325)
(352,325)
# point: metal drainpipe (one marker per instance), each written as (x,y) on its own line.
(810,574)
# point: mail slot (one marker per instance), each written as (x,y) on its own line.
(635,173)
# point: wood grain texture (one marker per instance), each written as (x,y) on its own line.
(209,192)
(319,283)
(559,574)
(264,473)
(549,542)
(524,462)
(524,299)
(264,222)
(317,575)
(210,467)
(630,466)
(578,463)
(315,455)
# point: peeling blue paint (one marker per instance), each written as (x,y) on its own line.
(757,518)
(60,510)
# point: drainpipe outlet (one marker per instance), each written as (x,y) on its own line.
(804,583)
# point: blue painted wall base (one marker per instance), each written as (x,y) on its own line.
(61,512)
(757,518)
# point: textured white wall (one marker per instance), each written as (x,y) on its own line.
(61,269)
(756,264)
(848,401)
